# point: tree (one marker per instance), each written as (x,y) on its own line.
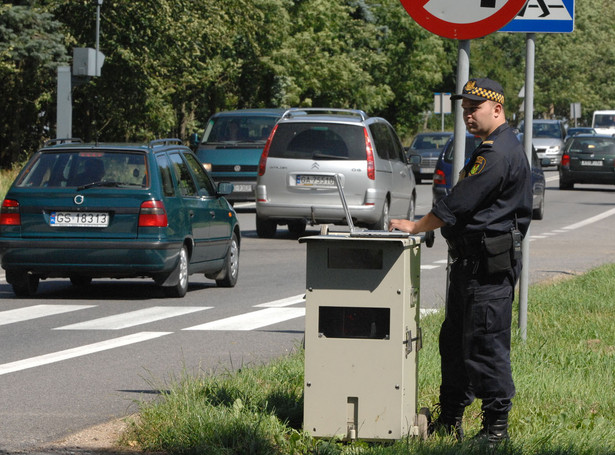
(31,47)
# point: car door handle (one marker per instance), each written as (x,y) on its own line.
(191,213)
(212,213)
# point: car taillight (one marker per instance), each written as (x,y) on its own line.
(9,214)
(439,178)
(369,152)
(262,164)
(565,160)
(153,214)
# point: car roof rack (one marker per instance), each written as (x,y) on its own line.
(63,140)
(297,111)
(166,141)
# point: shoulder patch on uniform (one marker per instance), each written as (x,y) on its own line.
(479,165)
(487,143)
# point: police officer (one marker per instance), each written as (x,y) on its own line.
(483,220)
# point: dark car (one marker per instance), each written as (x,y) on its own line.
(84,211)
(232,145)
(442,180)
(587,159)
(427,146)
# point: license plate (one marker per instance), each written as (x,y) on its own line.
(591,163)
(79,219)
(242,188)
(313,180)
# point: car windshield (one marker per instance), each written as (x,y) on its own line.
(593,145)
(604,120)
(318,141)
(235,129)
(546,130)
(471,143)
(85,168)
(429,141)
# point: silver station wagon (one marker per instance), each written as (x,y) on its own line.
(308,147)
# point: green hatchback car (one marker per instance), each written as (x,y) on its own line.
(84,211)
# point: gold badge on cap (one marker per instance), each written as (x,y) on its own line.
(470,85)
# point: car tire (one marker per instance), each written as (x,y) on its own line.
(297,227)
(539,212)
(80,280)
(24,284)
(181,271)
(411,208)
(231,265)
(565,184)
(383,223)
(265,228)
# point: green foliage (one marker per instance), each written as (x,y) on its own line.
(170,64)
(564,374)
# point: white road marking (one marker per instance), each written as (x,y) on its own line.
(37,311)
(429,267)
(591,220)
(133,318)
(54,357)
(282,302)
(252,321)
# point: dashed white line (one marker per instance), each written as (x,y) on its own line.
(37,311)
(252,321)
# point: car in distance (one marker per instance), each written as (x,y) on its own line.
(427,146)
(84,211)
(604,122)
(308,147)
(588,159)
(231,147)
(442,182)
(548,138)
(573,131)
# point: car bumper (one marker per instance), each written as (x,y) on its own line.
(318,214)
(61,258)
(554,160)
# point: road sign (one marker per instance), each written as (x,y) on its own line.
(462,19)
(543,16)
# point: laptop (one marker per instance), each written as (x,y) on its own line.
(365,233)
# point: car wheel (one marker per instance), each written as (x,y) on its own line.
(231,265)
(565,184)
(411,208)
(297,227)
(383,223)
(24,284)
(180,288)
(80,280)
(265,228)
(539,212)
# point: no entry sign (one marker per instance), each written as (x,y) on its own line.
(462,19)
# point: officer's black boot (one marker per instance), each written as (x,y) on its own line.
(495,428)
(448,423)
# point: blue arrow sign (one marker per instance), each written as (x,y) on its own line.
(543,16)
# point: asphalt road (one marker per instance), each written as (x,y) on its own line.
(74,358)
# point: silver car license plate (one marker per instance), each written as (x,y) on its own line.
(315,180)
(591,163)
(79,219)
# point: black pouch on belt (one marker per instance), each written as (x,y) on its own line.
(497,253)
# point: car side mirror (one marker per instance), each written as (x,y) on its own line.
(225,188)
(194,139)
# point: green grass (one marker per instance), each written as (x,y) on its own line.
(564,373)
(6,178)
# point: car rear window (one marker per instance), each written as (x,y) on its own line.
(595,145)
(471,143)
(318,141)
(51,169)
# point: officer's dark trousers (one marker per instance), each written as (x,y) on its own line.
(475,338)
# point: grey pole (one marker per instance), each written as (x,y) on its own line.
(463,74)
(527,143)
(64,103)
(99,3)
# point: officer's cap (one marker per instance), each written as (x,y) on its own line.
(482,89)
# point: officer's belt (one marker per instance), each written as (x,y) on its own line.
(468,246)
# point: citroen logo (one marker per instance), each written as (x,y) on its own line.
(315,166)
(79,199)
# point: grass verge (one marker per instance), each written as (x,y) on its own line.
(564,373)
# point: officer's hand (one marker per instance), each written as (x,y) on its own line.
(403,225)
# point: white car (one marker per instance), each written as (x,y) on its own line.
(296,178)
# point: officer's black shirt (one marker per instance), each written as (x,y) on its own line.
(494,189)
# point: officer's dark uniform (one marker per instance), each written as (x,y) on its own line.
(493,196)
